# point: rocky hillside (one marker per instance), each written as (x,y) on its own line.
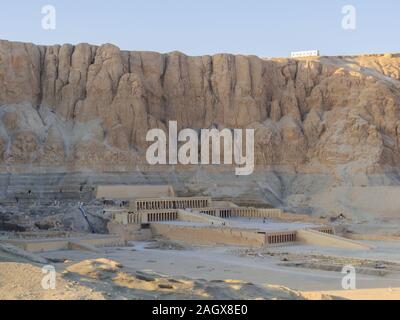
(75,108)
(88,106)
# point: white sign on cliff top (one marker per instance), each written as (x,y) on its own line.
(301,54)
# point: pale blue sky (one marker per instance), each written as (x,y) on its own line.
(260,27)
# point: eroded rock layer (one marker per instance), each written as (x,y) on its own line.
(72,108)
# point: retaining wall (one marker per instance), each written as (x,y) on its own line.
(209,235)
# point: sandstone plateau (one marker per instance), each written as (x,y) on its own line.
(323,124)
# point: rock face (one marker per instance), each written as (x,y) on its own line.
(86,107)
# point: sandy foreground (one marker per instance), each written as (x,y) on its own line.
(360,294)
(22,281)
(169,270)
(101,279)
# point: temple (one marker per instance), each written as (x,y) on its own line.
(205,221)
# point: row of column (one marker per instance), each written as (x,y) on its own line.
(154,204)
(210,212)
(327,230)
(281,238)
(225,213)
(256,213)
(171,204)
(162,216)
(192,203)
(271,213)
(134,218)
(246,213)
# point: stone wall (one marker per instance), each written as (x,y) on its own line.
(211,236)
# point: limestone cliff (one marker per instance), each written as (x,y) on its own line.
(84,106)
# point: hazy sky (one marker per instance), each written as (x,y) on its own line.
(260,27)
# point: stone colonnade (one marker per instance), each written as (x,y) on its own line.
(325,229)
(146,217)
(172,203)
(242,212)
(281,237)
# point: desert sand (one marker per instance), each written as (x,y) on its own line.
(172,270)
